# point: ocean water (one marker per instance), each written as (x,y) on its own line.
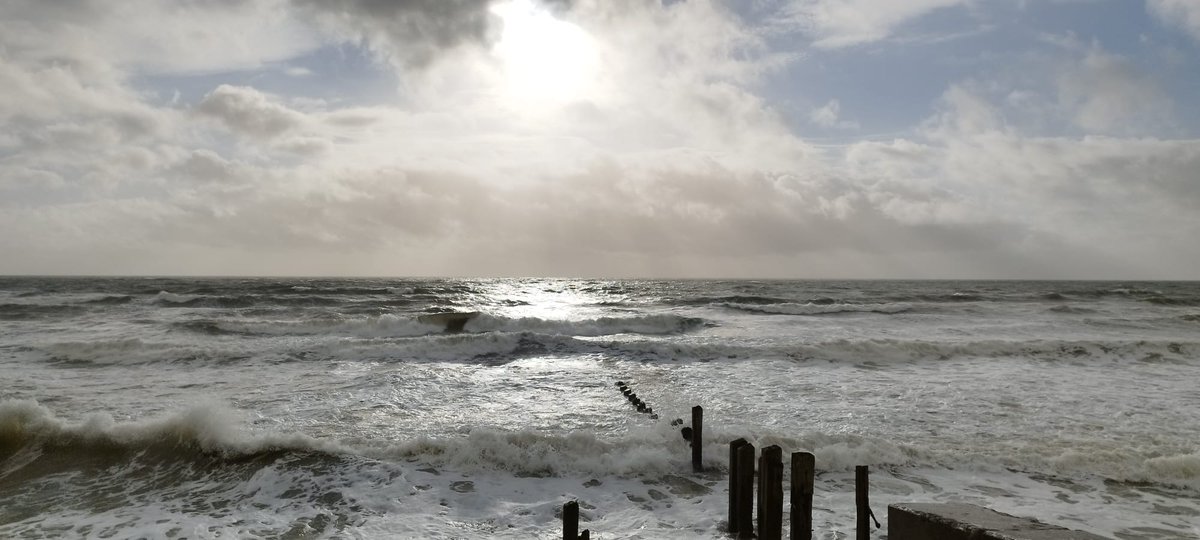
(325,408)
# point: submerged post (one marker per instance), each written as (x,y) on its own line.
(745,493)
(570,515)
(770,493)
(734,483)
(697,438)
(803,473)
(862,501)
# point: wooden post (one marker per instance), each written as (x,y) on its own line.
(585,535)
(697,438)
(734,479)
(770,493)
(570,515)
(862,501)
(803,473)
(745,494)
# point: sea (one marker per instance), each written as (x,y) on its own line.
(150,407)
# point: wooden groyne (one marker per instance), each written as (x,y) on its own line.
(906,521)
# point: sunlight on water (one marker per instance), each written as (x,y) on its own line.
(267,407)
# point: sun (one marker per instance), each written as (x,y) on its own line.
(544,58)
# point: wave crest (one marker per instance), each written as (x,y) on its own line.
(813,308)
(603,326)
(401,326)
(209,428)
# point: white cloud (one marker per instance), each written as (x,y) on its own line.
(247,110)
(842,23)
(1121,195)
(827,116)
(207,166)
(671,163)
(18,177)
(963,111)
(298,71)
(155,37)
(1184,14)
(1108,95)
(81,125)
(1073,87)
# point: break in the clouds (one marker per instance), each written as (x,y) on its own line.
(788,138)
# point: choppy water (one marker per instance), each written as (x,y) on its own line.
(323,408)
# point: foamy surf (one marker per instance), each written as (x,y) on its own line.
(267,483)
(327,409)
(393,325)
(791,308)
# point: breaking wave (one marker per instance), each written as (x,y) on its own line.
(736,299)
(891,350)
(167,299)
(1068,309)
(827,308)
(111,300)
(126,351)
(33,441)
(399,326)
(193,470)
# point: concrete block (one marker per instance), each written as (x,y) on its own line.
(959,521)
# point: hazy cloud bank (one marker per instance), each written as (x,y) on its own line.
(669,158)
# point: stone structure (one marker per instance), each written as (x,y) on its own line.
(958,521)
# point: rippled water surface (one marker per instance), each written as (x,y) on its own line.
(327,408)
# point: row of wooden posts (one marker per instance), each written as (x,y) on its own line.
(770,491)
(770,494)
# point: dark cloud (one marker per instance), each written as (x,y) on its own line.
(410,32)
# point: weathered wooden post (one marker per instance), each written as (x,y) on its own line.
(745,494)
(770,493)
(697,438)
(570,515)
(862,501)
(803,473)
(734,485)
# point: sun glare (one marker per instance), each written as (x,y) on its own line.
(544,58)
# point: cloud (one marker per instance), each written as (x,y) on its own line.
(682,75)
(18,177)
(249,111)
(1088,191)
(37,92)
(670,162)
(827,116)
(80,126)
(655,218)
(965,111)
(842,23)
(1107,94)
(1184,14)
(408,32)
(204,165)
(155,37)
(1073,87)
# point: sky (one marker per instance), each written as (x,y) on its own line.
(1014,139)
